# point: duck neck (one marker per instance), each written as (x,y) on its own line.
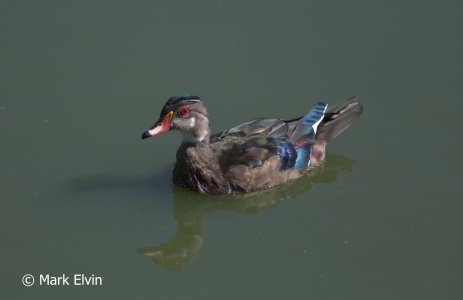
(193,153)
(197,168)
(196,137)
(198,131)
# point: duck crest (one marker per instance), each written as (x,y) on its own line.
(185,96)
(258,154)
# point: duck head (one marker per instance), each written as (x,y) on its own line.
(185,113)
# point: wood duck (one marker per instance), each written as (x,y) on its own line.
(256,155)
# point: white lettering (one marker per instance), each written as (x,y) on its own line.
(53,280)
(81,279)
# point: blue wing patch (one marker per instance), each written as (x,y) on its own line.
(303,157)
(315,115)
(306,135)
(287,154)
(296,153)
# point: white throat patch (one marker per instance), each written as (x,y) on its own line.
(188,136)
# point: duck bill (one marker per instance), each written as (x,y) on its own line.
(162,125)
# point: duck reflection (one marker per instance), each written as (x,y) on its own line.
(191,209)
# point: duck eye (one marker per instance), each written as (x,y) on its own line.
(183,111)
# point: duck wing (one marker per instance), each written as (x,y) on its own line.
(266,152)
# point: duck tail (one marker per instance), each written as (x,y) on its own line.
(337,119)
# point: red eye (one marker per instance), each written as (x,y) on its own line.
(183,111)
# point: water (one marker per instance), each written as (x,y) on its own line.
(81,193)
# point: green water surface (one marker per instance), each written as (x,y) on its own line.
(81,193)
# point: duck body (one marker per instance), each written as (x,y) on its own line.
(256,155)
